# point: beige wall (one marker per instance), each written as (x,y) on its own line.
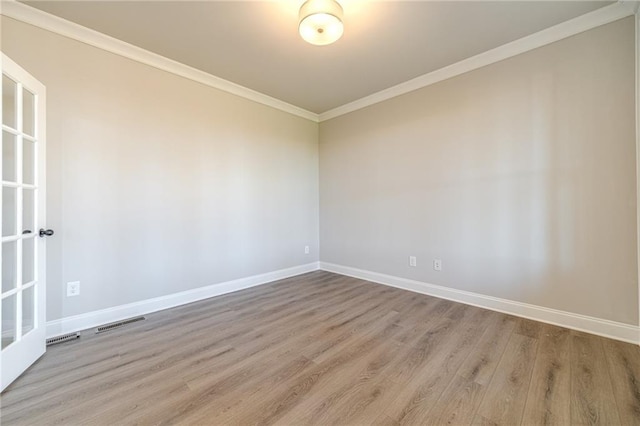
(520,176)
(157,184)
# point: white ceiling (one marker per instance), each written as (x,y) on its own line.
(256,44)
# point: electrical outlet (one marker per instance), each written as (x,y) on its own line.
(306,249)
(73,288)
(412,261)
(437,264)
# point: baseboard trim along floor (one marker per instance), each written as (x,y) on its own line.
(88,320)
(601,327)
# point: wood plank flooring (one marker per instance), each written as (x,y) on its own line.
(324,349)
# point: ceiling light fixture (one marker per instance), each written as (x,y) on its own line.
(320,21)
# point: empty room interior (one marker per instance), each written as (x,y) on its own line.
(322,212)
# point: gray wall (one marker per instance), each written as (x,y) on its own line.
(520,176)
(157,184)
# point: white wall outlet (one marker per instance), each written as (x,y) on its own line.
(437,264)
(412,261)
(306,249)
(73,288)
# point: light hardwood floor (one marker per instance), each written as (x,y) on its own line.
(323,349)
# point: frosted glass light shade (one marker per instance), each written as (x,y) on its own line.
(321,21)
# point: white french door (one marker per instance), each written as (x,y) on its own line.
(22,307)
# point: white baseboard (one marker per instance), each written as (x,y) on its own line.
(117,313)
(601,327)
(606,328)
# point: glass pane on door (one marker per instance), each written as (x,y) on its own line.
(28,112)
(9,266)
(9,211)
(28,211)
(9,102)
(9,323)
(9,155)
(28,260)
(28,162)
(28,310)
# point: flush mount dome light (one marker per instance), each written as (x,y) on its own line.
(320,21)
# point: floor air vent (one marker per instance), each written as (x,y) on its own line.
(114,325)
(62,339)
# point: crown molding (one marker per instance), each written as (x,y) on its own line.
(44,20)
(55,24)
(574,26)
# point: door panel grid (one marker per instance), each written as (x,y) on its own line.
(22,169)
(19,212)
